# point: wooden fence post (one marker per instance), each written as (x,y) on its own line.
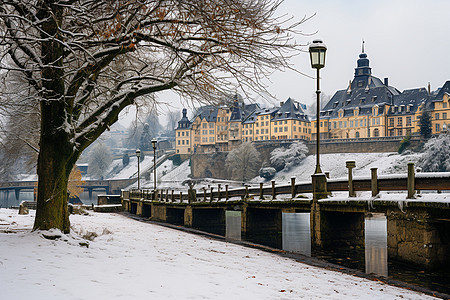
(350,165)
(181,197)
(374,181)
(293,192)
(261,192)
(173,197)
(274,196)
(226,192)
(204,194)
(411,181)
(218,192)
(211,195)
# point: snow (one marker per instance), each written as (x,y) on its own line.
(128,259)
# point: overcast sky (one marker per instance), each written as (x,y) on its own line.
(406,41)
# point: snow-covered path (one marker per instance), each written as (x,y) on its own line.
(135,260)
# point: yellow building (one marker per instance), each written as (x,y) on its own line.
(440,114)
(290,122)
(183,135)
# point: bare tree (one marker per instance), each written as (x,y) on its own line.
(84,61)
(100,159)
(243,162)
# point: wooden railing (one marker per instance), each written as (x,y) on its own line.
(400,182)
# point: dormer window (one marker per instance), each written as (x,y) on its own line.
(374,98)
(361,101)
(335,104)
(408,108)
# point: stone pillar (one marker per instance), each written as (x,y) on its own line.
(192,195)
(319,187)
(188,216)
(159,212)
(139,208)
(374,182)
(351,190)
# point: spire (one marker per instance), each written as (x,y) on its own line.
(363,46)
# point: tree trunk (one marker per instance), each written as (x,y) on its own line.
(56,154)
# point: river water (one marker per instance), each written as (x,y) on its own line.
(372,258)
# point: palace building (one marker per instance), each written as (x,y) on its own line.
(368,108)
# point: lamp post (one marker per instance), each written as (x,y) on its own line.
(317,52)
(138,155)
(154,141)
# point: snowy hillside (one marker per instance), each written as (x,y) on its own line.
(171,177)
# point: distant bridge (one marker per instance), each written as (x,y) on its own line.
(113,186)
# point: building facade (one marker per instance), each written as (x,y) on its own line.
(368,108)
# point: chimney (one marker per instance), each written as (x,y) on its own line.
(386,81)
(429,88)
(281,104)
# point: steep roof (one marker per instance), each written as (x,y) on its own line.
(290,110)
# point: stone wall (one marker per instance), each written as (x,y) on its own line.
(418,236)
(213,164)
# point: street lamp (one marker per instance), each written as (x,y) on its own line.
(154,141)
(138,155)
(317,52)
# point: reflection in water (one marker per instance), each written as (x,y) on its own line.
(8,197)
(376,245)
(296,235)
(233,225)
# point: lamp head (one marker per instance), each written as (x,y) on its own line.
(317,50)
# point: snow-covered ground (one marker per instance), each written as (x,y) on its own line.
(387,163)
(133,260)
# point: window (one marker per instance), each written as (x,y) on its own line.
(182,133)
(340,124)
(360,123)
(295,128)
(357,134)
(399,121)
(285,129)
(438,127)
(178,133)
(444,116)
(345,124)
(391,122)
(179,142)
(257,131)
(436,116)
(321,124)
(182,142)
(376,132)
(408,121)
(444,104)
(211,131)
(204,125)
(276,129)
(351,124)
(187,133)
(211,139)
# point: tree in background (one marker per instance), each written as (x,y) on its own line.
(286,158)
(125,160)
(436,156)
(425,125)
(172,122)
(83,62)
(100,159)
(136,131)
(243,162)
(146,138)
